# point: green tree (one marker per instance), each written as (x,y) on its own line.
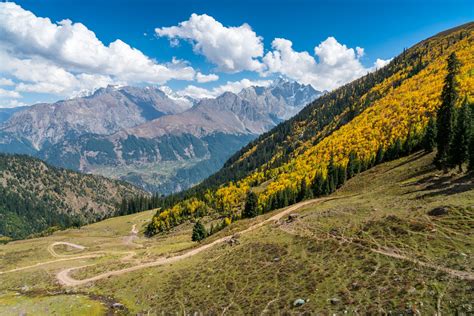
(429,137)
(199,232)
(379,156)
(445,115)
(251,203)
(317,185)
(471,149)
(352,165)
(305,192)
(459,148)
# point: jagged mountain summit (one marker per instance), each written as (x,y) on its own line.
(151,136)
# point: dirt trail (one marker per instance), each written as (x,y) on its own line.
(463,275)
(54,244)
(128,240)
(66,280)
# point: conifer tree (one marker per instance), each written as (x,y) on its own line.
(317,185)
(199,232)
(459,148)
(429,137)
(352,165)
(471,149)
(445,115)
(251,203)
(379,156)
(342,175)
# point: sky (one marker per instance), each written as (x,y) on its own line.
(58,49)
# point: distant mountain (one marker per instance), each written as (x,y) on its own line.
(149,137)
(35,196)
(6,113)
(106,111)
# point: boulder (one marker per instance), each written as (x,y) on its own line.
(439,211)
(298,302)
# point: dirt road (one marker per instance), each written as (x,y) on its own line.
(65,279)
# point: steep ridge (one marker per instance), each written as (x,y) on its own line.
(168,151)
(35,197)
(384,110)
(106,111)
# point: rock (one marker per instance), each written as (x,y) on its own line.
(292,217)
(298,302)
(233,240)
(334,300)
(276,259)
(439,211)
(117,306)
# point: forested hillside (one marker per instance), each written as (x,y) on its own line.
(35,197)
(378,117)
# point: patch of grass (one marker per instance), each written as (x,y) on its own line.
(326,256)
(14,304)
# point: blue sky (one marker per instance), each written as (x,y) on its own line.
(382,28)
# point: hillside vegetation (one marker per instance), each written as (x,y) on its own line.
(35,197)
(378,117)
(396,239)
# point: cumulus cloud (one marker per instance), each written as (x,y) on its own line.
(202,78)
(6,82)
(9,103)
(232,49)
(332,65)
(70,55)
(9,94)
(380,63)
(230,86)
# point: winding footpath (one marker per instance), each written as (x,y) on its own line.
(65,279)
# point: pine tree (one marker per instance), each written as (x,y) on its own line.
(251,203)
(445,115)
(429,137)
(317,185)
(379,156)
(305,192)
(459,148)
(342,175)
(199,232)
(332,175)
(352,165)
(471,149)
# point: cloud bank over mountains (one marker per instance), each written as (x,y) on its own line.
(65,59)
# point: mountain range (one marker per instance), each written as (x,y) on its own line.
(148,136)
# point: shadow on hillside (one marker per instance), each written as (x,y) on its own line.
(444,185)
(414,157)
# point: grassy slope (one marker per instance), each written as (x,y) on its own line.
(326,253)
(53,192)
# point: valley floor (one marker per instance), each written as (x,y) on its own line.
(396,239)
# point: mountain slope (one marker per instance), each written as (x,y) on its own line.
(106,111)
(171,152)
(6,113)
(35,196)
(385,109)
(394,239)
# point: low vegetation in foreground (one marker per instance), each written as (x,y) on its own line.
(396,239)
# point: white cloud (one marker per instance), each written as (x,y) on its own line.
(380,63)
(232,49)
(9,94)
(10,103)
(231,86)
(6,82)
(202,78)
(336,64)
(43,54)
